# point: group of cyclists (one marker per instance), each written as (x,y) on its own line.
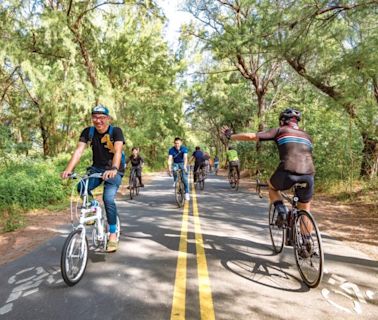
(294,147)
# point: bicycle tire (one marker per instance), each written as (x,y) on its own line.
(202,181)
(231,178)
(310,264)
(67,254)
(277,235)
(236,180)
(179,192)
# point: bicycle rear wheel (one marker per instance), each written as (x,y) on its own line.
(74,257)
(118,227)
(236,180)
(231,179)
(202,180)
(277,235)
(308,249)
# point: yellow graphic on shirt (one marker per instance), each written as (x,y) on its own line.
(109,144)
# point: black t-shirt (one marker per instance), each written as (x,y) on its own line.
(102,146)
(135,162)
(294,146)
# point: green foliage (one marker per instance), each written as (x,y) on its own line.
(30,185)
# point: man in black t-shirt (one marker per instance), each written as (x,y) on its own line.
(137,163)
(197,156)
(106,142)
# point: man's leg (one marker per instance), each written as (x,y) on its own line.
(238,169)
(92,184)
(185,180)
(195,170)
(276,183)
(110,190)
(139,174)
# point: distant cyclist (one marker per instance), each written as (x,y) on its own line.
(233,160)
(106,142)
(216,164)
(206,158)
(199,161)
(178,159)
(296,162)
(137,163)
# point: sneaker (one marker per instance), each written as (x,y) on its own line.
(187,197)
(281,216)
(174,184)
(142,185)
(112,246)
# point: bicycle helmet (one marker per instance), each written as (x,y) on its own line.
(290,113)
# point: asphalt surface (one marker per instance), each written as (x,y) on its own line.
(225,269)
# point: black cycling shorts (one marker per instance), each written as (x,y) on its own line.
(284,180)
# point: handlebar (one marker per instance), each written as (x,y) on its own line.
(74,175)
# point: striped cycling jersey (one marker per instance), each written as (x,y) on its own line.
(294,147)
(287,137)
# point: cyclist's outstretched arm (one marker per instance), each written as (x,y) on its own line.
(244,137)
(74,159)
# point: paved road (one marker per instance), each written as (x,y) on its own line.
(212,259)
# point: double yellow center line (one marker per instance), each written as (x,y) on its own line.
(204,288)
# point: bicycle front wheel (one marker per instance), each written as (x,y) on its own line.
(179,190)
(74,257)
(277,234)
(308,249)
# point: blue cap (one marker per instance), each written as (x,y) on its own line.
(100,109)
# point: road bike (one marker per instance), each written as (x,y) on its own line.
(134,186)
(74,255)
(300,231)
(233,178)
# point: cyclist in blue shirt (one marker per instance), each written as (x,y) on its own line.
(178,159)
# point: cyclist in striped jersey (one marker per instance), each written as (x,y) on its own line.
(296,162)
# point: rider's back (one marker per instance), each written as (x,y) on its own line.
(294,146)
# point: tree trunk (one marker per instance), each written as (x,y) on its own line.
(261,125)
(369,165)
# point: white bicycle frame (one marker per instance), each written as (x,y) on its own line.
(84,211)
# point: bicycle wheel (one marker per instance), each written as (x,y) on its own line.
(277,235)
(179,191)
(236,180)
(308,249)
(131,188)
(202,181)
(231,178)
(74,257)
